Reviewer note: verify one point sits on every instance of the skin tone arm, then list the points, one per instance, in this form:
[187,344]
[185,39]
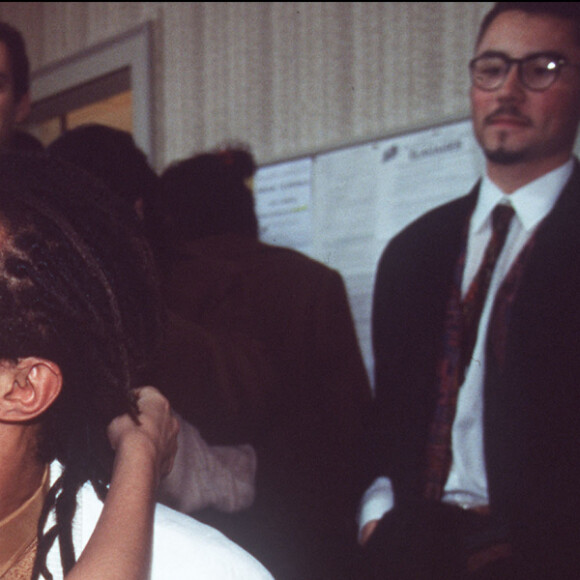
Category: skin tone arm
[120,547]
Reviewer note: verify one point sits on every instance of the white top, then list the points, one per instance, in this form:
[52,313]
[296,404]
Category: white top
[183,548]
[467,481]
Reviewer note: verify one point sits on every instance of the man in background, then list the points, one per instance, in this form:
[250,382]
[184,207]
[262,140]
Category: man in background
[202,476]
[14,82]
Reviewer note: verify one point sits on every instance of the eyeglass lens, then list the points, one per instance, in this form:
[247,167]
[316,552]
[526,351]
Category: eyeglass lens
[537,72]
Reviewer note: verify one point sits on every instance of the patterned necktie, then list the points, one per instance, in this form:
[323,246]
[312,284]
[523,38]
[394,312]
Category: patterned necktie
[460,333]
[474,300]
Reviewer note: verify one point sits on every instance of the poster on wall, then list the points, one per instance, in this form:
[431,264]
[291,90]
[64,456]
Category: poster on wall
[345,202]
[283,194]
[421,170]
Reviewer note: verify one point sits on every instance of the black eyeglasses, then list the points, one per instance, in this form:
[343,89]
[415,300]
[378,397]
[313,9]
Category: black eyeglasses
[536,72]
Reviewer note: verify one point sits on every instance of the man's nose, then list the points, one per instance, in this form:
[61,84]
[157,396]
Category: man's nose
[512,88]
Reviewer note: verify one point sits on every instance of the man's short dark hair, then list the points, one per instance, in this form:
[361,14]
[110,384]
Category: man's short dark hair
[565,10]
[18,59]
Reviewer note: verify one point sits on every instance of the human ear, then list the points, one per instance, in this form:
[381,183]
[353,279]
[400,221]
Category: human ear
[28,388]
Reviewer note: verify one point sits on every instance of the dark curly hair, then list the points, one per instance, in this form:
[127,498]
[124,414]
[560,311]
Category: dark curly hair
[77,287]
[208,195]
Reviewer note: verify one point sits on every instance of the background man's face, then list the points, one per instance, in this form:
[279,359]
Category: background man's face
[513,123]
[11,111]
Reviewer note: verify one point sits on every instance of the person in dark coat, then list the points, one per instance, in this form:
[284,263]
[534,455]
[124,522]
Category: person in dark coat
[305,422]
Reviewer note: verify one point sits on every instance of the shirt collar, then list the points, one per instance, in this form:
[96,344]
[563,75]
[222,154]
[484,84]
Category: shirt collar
[532,202]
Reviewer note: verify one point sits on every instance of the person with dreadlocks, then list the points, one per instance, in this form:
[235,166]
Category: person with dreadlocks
[81,321]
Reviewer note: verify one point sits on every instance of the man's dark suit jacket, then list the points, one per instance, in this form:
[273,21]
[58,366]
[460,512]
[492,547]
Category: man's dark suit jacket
[531,407]
[301,404]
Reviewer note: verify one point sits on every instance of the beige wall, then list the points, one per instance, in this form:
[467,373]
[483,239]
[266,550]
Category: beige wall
[288,78]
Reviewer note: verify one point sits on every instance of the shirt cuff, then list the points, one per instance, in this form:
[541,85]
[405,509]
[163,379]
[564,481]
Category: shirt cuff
[377,500]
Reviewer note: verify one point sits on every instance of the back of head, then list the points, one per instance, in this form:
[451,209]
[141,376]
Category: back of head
[565,10]
[209,195]
[23,141]
[111,155]
[76,288]
[18,59]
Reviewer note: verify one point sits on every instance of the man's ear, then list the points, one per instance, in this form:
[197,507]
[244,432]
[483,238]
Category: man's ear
[22,109]
[28,388]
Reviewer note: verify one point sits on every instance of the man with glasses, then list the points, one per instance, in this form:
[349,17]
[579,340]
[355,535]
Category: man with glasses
[476,328]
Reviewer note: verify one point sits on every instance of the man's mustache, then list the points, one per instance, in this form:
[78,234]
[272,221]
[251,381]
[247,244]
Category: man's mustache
[507,111]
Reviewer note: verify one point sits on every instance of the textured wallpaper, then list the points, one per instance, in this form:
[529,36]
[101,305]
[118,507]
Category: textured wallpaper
[288,78]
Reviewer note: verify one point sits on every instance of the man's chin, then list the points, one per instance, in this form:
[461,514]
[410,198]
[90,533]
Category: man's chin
[504,157]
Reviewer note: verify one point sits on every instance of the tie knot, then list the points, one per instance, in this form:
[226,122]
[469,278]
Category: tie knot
[501,217]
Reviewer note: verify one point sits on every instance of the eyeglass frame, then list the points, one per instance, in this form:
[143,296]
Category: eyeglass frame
[559,60]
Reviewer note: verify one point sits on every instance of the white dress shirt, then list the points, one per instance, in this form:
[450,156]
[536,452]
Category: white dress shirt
[467,481]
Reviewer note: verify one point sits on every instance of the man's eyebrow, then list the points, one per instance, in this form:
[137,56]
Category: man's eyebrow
[549,53]
[493,53]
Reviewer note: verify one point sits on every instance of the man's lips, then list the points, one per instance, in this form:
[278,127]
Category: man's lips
[508,118]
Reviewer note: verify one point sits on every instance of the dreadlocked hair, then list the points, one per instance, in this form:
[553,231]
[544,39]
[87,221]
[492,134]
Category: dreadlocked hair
[77,287]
